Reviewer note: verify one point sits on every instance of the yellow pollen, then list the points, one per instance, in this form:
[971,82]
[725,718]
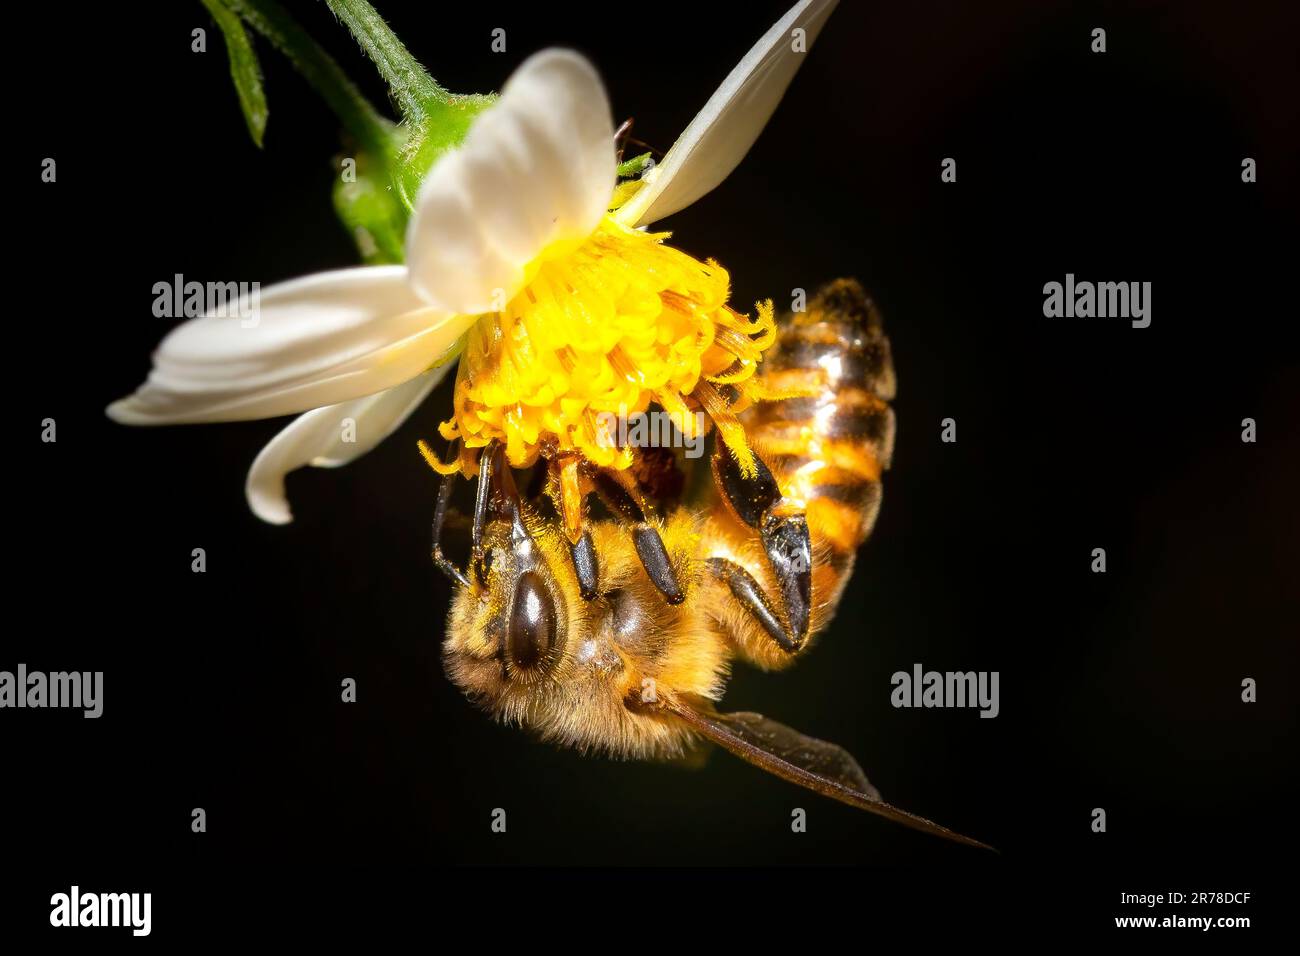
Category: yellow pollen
[603,328]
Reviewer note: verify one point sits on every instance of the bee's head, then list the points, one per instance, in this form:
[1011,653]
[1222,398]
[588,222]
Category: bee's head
[510,625]
[524,644]
[521,640]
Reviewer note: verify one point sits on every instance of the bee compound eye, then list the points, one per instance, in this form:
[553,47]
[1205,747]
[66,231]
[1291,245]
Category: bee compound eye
[531,634]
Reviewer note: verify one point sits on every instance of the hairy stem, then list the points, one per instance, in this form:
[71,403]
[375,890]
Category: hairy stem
[413,89]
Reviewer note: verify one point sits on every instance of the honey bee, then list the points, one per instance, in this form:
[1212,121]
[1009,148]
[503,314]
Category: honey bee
[624,646]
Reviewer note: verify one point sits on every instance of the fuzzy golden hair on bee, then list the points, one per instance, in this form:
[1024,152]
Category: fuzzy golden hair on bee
[609,655]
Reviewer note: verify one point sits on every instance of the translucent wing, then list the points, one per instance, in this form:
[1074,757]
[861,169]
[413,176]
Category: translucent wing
[815,764]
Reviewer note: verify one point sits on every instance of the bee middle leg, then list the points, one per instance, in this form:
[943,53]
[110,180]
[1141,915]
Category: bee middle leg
[569,485]
[619,491]
[783,529]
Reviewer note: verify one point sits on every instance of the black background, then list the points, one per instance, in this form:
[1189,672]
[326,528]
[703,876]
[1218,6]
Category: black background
[1119,690]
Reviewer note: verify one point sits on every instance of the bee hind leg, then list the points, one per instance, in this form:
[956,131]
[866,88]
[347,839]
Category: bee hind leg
[783,528]
[750,595]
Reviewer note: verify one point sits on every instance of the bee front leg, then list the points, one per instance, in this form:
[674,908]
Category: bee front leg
[783,528]
[619,492]
[440,560]
[497,502]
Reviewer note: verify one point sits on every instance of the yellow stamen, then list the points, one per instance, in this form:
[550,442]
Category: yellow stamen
[437,464]
[605,328]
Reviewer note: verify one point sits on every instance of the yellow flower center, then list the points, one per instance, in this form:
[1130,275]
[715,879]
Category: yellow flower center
[606,327]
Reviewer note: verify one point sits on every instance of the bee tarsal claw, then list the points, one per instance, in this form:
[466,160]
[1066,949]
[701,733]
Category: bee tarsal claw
[789,548]
[750,594]
[626,502]
[658,566]
[757,501]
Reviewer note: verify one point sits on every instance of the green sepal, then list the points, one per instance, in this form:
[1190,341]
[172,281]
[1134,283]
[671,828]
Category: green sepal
[442,127]
[371,210]
[434,119]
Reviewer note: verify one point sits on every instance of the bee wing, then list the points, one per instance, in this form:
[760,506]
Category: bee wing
[816,764]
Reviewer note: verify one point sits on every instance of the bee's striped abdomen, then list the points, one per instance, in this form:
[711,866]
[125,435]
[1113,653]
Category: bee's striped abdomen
[828,450]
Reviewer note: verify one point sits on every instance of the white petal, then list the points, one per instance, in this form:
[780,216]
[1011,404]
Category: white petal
[316,438]
[720,136]
[537,167]
[314,341]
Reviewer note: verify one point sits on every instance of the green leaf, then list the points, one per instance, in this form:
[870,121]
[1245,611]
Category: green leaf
[244,68]
[318,68]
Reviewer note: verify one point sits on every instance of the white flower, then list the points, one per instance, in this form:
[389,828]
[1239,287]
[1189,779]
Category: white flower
[532,178]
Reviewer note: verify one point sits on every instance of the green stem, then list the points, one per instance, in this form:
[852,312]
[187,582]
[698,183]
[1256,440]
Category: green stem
[413,89]
[320,70]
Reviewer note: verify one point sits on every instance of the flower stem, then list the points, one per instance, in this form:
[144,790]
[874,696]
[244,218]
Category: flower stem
[413,89]
[434,119]
[320,70]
